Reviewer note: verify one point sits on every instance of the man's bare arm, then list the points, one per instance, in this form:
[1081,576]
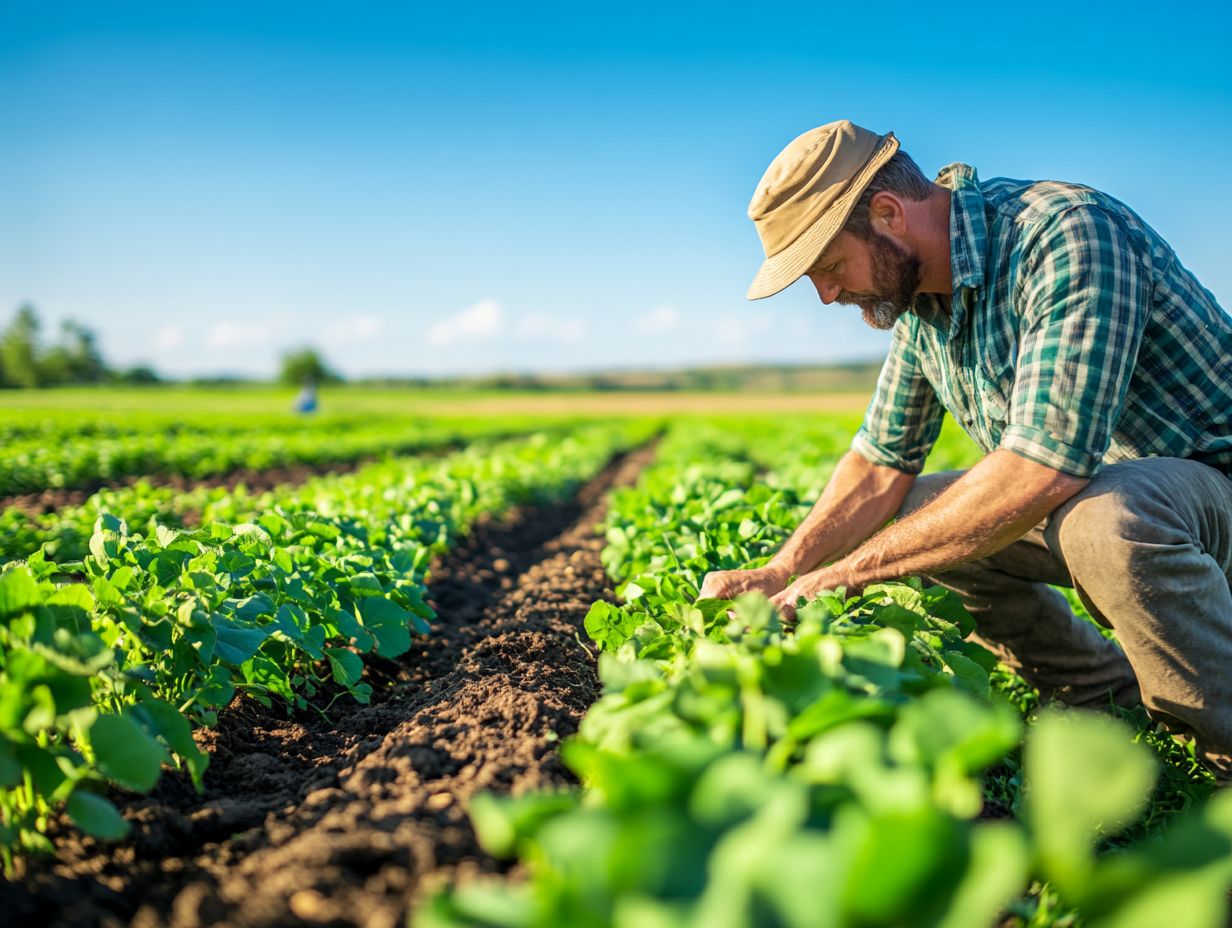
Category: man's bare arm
[995,503]
[859,499]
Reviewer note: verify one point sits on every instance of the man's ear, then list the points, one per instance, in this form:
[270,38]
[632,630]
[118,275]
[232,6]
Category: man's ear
[886,214]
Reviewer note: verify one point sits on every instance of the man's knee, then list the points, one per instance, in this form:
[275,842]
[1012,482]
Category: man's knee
[1121,510]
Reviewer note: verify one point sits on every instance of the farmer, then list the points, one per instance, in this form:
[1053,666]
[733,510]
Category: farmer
[1093,369]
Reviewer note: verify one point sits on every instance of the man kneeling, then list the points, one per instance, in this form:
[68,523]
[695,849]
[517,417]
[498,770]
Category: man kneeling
[1094,370]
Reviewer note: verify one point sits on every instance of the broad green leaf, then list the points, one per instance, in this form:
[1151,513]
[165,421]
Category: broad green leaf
[10,767]
[480,904]
[74,595]
[346,666]
[269,675]
[323,530]
[82,655]
[106,593]
[217,689]
[174,728]
[273,523]
[388,622]
[122,577]
[18,591]
[350,629]
[1192,858]
[948,728]
[45,772]
[996,872]
[166,536]
[96,815]
[1085,777]
[282,558]
[836,708]
[899,862]
[236,643]
[125,753]
[41,710]
[1197,899]
[499,822]
[608,626]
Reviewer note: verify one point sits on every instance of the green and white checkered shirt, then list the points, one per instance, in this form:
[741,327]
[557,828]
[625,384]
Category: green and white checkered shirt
[1075,338]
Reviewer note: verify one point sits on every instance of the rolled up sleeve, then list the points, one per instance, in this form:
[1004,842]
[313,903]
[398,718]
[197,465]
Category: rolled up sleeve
[904,417]
[1084,304]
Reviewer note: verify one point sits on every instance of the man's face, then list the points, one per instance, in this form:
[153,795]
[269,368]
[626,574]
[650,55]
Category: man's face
[879,276]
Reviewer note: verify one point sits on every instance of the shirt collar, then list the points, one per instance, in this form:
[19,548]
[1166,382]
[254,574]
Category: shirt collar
[968,235]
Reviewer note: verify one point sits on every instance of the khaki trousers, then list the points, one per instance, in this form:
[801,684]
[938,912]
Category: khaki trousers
[1147,546]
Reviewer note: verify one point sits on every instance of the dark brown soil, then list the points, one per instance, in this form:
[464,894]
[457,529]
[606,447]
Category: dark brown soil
[345,820]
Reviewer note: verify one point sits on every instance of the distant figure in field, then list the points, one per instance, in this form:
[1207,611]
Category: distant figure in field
[306,400]
[1066,338]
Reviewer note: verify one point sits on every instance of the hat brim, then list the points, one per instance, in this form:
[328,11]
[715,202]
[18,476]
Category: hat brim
[781,270]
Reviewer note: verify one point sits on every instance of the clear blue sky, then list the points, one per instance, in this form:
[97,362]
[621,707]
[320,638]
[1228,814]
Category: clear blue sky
[471,187]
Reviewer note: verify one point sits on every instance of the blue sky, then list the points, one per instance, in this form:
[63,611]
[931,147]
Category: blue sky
[416,189]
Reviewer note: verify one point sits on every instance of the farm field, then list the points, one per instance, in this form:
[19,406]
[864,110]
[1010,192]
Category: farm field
[438,659]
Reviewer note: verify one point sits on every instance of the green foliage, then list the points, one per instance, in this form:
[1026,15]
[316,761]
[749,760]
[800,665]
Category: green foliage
[107,663]
[63,451]
[58,742]
[739,773]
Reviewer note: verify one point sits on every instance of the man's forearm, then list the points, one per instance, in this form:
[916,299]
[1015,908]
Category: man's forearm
[992,505]
[859,499]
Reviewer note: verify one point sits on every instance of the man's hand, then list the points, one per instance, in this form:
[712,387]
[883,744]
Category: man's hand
[728,584]
[807,587]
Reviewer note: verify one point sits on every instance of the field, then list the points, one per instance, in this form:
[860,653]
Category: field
[437,658]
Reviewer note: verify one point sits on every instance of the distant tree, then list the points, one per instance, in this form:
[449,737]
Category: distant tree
[83,362]
[304,366]
[141,374]
[19,349]
[25,362]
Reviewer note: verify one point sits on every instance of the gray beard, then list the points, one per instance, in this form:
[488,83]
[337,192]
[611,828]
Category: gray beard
[883,315]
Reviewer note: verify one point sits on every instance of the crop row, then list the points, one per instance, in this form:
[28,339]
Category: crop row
[85,457]
[106,664]
[64,533]
[739,773]
[61,424]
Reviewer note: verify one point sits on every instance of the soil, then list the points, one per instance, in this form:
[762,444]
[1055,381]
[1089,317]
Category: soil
[346,819]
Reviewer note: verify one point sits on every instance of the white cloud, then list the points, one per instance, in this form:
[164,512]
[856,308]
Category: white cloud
[228,334]
[541,327]
[357,329]
[483,320]
[658,321]
[168,338]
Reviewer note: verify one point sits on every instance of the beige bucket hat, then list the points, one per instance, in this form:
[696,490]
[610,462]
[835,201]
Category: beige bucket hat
[806,195]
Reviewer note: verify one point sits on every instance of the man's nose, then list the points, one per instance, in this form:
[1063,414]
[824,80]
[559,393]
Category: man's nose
[827,290]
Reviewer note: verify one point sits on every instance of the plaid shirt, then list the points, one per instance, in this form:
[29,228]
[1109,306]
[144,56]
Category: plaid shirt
[1074,338]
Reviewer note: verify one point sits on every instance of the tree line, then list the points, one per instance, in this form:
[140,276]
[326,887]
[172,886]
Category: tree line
[27,359]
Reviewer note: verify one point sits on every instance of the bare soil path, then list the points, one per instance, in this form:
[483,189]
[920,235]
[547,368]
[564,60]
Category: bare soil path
[344,820]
